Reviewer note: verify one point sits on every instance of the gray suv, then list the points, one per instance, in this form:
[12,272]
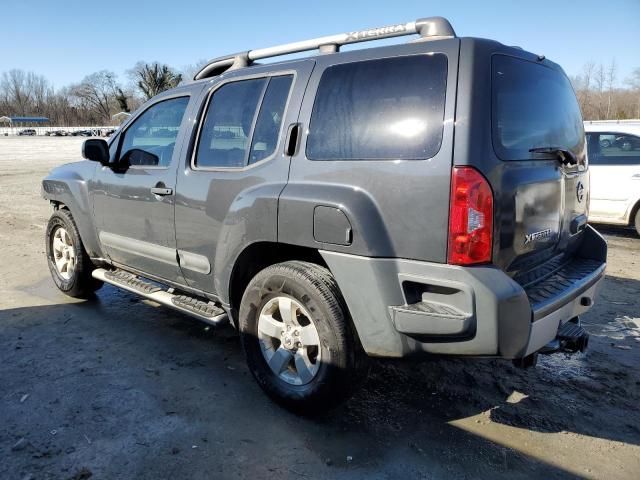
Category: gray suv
[421,198]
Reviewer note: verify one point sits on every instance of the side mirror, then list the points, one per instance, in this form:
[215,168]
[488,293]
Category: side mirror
[96,150]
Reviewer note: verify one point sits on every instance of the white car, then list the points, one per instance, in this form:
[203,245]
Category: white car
[614,160]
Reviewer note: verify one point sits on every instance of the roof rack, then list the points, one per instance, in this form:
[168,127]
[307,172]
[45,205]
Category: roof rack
[430,28]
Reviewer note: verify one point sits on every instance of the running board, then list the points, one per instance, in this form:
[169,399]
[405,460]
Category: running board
[208,312]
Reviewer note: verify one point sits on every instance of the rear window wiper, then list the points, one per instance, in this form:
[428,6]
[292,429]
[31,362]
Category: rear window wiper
[564,155]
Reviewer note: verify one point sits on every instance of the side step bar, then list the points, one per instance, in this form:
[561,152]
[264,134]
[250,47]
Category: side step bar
[208,312]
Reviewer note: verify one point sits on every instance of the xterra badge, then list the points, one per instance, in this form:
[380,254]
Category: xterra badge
[530,237]
[376,32]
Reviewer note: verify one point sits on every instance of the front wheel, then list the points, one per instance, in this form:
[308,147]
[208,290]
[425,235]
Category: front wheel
[69,264]
[297,337]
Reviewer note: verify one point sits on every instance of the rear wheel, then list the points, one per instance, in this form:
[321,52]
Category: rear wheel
[69,264]
[297,338]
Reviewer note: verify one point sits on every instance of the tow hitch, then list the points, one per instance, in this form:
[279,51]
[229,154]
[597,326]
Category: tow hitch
[571,338]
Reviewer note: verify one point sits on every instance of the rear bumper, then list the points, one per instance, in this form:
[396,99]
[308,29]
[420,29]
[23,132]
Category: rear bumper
[545,329]
[404,307]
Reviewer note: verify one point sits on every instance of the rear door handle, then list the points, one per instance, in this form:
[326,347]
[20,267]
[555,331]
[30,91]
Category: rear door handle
[636,176]
[293,138]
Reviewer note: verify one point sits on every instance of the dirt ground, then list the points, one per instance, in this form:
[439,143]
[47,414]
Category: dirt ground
[116,387]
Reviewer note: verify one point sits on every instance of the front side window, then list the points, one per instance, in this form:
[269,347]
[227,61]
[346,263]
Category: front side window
[384,109]
[243,122]
[533,106]
[610,148]
[150,139]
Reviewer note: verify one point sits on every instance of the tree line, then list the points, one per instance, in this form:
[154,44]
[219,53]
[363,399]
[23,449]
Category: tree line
[100,95]
[93,100]
[602,98]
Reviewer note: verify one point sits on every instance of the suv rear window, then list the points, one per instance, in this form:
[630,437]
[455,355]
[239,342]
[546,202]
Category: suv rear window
[533,106]
[384,109]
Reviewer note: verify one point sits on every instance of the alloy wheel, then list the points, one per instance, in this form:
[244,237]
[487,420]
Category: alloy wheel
[64,254]
[289,340]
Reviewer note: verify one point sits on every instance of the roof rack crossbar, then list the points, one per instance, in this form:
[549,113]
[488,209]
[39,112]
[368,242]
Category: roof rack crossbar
[427,28]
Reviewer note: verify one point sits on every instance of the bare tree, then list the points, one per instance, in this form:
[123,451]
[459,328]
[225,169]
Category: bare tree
[634,82]
[599,79]
[611,80]
[97,92]
[154,78]
[90,102]
[584,93]
[15,84]
[189,71]
[24,93]
[600,97]
[98,96]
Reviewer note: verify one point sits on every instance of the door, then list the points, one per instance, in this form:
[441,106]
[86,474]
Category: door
[614,160]
[133,198]
[228,189]
[542,187]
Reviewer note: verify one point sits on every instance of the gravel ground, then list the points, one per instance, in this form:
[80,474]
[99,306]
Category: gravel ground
[115,387]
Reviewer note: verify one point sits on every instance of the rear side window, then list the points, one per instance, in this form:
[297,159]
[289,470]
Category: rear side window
[269,121]
[242,123]
[533,106]
[609,148]
[385,109]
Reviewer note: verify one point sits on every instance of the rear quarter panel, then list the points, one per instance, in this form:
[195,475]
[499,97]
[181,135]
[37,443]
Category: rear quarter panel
[397,208]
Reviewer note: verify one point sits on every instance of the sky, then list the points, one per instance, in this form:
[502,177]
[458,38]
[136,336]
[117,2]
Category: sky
[66,40]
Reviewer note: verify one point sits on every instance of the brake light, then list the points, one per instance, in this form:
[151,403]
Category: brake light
[470,218]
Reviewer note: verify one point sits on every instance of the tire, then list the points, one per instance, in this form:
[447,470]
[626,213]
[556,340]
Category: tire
[75,280]
[340,363]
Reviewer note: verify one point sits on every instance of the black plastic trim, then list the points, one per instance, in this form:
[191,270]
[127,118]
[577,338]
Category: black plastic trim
[564,285]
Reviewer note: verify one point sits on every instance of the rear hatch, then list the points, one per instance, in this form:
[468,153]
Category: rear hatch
[542,196]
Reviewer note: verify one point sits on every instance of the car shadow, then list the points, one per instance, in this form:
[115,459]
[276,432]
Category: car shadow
[616,231]
[594,394]
[151,385]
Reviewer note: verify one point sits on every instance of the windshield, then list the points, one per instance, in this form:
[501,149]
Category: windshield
[533,106]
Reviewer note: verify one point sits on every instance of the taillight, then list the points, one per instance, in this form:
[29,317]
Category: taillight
[470,218]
